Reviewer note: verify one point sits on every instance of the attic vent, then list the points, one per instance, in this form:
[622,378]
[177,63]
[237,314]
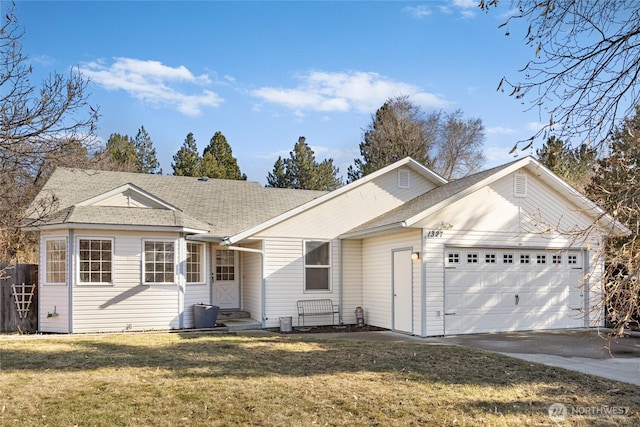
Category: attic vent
[404,180]
[520,185]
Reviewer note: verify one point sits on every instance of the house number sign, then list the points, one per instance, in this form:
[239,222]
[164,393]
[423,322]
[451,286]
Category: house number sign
[433,234]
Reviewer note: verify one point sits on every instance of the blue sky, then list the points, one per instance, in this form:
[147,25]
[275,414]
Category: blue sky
[265,73]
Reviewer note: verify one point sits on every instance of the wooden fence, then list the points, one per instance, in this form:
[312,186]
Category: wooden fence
[18,304]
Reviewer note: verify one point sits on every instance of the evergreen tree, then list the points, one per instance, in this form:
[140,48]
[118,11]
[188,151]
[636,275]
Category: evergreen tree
[146,160]
[122,150]
[218,161]
[186,160]
[278,177]
[574,165]
[614,187]
[301,171]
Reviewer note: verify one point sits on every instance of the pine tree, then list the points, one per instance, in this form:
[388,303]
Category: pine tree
[122,150]
[218,161]
[574,165]
[301,171]
[146,159]
[278,177]
[186,160]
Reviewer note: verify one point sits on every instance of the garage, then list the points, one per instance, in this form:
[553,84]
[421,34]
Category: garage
[497,290]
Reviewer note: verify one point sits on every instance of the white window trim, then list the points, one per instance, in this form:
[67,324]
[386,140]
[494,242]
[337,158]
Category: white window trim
[203,264]
[175,261]
[329,267]
[66,261]
[78,260]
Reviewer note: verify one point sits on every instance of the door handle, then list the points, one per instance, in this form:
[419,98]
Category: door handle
[450,314]
[517,299]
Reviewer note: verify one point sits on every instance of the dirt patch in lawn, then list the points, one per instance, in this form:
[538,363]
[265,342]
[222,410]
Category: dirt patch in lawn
[329,329]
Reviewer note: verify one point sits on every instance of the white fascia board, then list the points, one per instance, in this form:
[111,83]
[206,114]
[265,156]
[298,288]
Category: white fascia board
[114,228]
[461,194]
[122,189]
[604,220]
[373,231]
[407,161]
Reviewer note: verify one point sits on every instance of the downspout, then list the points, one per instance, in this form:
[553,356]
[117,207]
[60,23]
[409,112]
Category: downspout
[423,285]
[340,279]
[71,262]
[181,282]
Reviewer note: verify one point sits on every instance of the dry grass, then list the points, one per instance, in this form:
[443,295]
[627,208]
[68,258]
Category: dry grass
[199,379]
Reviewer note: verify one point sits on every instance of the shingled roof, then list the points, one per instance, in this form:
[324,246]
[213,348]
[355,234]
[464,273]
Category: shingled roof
[221,207]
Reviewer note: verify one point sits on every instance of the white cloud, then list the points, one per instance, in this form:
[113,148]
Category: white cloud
[155,84]
[345,91]
[500,130]
[418,12]
[534,126]
[467,8]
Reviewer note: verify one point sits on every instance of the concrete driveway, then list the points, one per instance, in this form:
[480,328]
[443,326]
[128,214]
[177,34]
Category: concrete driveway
[582,350]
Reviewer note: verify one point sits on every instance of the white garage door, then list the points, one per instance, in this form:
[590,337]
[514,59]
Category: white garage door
[489,290]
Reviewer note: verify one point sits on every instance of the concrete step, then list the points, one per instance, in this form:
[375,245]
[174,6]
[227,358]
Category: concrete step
[242,324]
[235,314]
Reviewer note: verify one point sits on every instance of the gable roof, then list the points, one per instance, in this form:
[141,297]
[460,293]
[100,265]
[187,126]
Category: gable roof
[217,206]
[406,162]
[426,204]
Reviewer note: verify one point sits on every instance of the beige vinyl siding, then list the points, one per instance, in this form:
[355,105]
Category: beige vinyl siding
[52,297]
[197,293]
[127,304]
[284,281]
[351,279]
[377,280]
[251,282]
[344,212]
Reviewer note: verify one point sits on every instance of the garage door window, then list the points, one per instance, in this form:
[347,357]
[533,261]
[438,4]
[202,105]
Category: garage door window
[453,258]
[507,258]
[472,258]
[572,259]
[541,259]
[490,258]
[556,259]
[525,259]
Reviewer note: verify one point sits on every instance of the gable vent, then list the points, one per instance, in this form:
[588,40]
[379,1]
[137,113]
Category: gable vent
[519,185]
[404,178]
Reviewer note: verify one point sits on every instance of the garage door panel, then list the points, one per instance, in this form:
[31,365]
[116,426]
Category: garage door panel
[509,290]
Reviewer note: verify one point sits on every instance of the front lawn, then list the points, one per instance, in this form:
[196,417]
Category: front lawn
[195,379]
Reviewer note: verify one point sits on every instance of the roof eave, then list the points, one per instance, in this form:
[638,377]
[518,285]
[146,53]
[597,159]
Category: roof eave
[407,161]
[372,231]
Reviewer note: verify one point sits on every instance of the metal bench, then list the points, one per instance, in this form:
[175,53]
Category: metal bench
[316,307]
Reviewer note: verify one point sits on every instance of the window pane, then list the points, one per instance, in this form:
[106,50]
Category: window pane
[56,261]
[95,260]
[317,279]
[316,253]
[159,265]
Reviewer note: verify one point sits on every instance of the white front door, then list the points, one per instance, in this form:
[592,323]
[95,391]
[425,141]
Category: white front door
[402,298]
[226,281]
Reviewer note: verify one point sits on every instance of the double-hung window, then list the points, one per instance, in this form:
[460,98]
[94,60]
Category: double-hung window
[159,262]
[96,261]
[195,262]
[317,266]
[56,261]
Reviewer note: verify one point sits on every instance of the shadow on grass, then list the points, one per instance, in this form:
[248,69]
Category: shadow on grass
[436,367]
